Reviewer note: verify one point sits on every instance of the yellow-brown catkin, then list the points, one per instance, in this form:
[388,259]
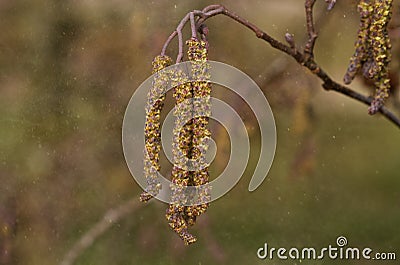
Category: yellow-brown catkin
[381,51]
[372,54]
[154,105]
[361,52]
[201,90]
[175,213]
[190,143]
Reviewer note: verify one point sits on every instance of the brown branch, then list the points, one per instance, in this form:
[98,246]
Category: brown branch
[312,35]
[110,217]
[303,59]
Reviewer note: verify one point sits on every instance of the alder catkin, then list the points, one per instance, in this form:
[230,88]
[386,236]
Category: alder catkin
[373,49]
[190,142]
[152,131]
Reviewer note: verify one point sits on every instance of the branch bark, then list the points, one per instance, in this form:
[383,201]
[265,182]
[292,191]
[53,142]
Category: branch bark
[312,35]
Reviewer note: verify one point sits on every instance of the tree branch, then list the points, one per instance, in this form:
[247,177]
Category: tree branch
[303,59]
[110,217]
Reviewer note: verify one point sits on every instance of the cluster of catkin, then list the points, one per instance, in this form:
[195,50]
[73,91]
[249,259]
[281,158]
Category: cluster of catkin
[190,137]
[372,49]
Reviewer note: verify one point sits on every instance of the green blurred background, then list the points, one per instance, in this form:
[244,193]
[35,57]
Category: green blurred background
[67,72]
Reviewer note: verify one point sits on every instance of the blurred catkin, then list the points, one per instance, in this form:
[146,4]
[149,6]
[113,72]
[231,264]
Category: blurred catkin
[373,49]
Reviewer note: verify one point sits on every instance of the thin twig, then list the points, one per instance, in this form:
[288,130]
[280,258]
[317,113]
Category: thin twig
[180,38]
[312,35]
[193,25]
[110,217]
[331,4]
[170,38]
[210,7]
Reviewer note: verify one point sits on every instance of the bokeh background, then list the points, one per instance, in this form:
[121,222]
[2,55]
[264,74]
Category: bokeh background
[67,72]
